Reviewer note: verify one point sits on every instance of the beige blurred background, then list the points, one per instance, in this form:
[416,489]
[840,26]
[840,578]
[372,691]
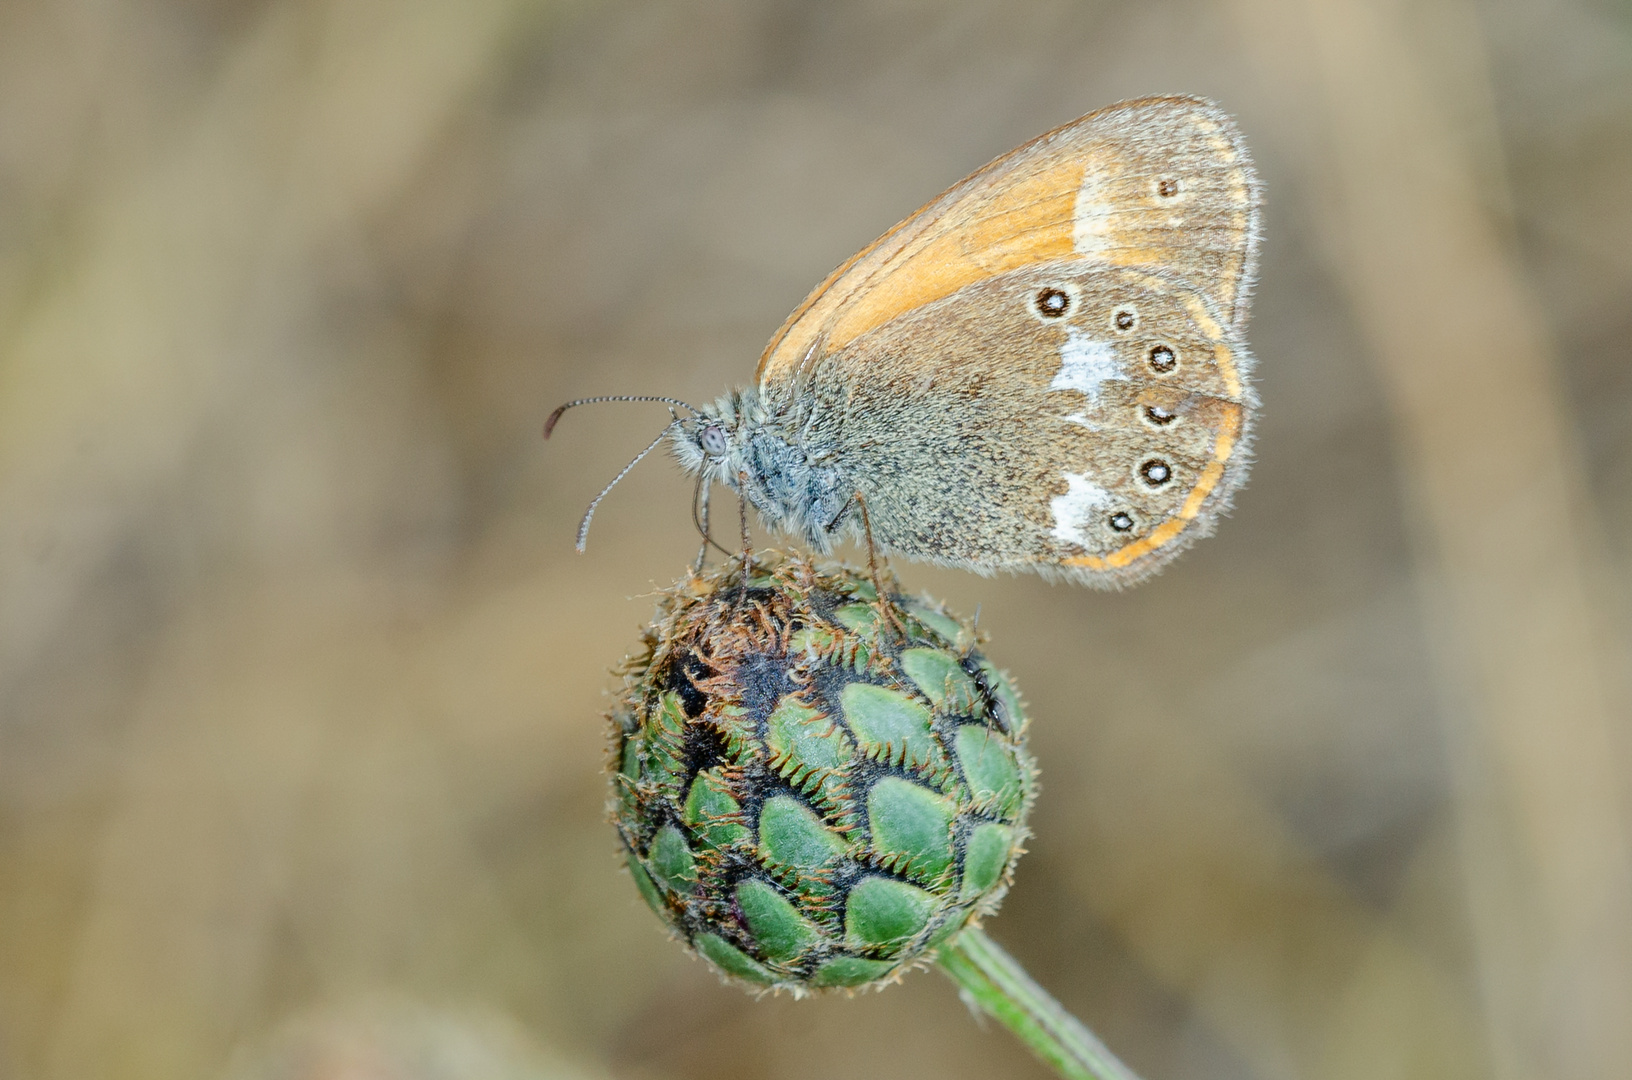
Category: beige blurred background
[301,680]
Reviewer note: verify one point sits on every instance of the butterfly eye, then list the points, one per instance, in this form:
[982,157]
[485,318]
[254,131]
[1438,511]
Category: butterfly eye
[1155,472]
[713,440]
[1121,521]
[1125,319]
[1052,303]
[1167,187]
[1159,416]
[1162,359]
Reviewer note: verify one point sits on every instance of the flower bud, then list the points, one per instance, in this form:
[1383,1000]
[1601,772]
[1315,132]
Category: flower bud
[811,796]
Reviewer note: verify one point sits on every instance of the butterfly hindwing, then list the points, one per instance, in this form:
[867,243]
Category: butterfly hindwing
[1070,416]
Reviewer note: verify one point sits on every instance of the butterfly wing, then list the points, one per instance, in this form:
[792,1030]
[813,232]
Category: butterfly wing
[1043,368]
[1069,417]
[1161,183]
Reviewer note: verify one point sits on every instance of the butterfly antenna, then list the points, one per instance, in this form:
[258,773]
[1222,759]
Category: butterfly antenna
[583,526]
[549,425]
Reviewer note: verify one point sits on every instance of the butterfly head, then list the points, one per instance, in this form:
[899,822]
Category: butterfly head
[711,442]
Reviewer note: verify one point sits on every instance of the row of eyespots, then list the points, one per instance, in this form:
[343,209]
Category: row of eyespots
[1156,473]
[1162,359]
[1054,303]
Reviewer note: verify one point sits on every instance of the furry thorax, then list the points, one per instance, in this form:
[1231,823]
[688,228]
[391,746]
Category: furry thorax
[775,456]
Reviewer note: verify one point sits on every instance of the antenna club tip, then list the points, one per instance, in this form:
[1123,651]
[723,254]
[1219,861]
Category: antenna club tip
[549,425]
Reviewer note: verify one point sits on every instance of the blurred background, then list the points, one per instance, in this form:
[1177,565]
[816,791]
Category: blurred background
[301,681]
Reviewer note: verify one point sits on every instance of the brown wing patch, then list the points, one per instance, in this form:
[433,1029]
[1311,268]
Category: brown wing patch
[1161,183]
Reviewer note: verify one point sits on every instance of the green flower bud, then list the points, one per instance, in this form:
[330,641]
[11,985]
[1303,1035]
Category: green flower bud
[806,799]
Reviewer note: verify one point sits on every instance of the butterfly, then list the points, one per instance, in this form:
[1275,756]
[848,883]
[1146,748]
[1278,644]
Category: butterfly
[1043,369]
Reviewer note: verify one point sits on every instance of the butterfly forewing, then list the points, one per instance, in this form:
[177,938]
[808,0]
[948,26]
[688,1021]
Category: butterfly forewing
[1070,415]
[1169,188]
[1161,184]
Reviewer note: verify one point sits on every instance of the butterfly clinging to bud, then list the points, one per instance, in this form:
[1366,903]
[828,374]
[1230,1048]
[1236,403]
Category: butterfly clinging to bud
[1043,369]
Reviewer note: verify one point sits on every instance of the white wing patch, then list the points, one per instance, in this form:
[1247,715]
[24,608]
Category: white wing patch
[1101,216]
[1092,222]
[1073,509]
[1085,363]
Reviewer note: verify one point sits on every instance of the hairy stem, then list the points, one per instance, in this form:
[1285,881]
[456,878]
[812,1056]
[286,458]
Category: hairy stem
[991,980]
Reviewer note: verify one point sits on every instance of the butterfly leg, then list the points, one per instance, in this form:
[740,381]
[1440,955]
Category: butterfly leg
[747,550]
[699,518]
[886,610]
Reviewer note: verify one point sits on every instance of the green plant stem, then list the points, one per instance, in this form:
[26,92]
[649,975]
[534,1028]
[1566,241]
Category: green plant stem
[992,981]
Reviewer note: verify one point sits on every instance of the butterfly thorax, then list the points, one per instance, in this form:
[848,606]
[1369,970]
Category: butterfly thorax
[768,452]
